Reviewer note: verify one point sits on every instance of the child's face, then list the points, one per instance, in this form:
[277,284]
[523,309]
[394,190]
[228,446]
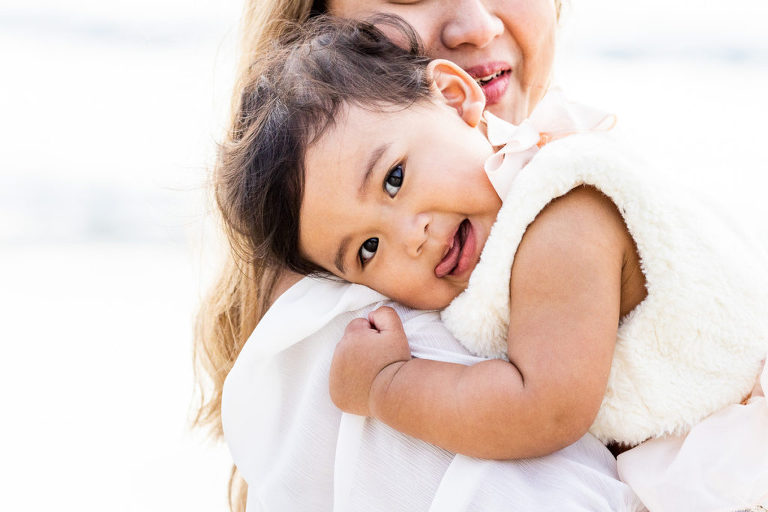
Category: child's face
[399,201]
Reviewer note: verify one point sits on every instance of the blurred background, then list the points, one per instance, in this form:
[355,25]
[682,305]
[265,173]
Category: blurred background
[109,114]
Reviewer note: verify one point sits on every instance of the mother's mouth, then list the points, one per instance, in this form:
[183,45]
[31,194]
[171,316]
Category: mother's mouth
[493,78]
[485,80]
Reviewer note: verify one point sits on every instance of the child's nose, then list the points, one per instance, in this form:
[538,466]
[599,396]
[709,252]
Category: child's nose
[415,232]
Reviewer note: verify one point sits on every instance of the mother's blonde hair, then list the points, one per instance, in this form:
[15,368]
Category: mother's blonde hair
[240,296]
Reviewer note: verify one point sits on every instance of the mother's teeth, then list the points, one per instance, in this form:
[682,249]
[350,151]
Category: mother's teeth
[484,79]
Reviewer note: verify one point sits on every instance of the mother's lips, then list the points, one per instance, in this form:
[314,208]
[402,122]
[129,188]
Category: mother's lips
[489,68]
[493,78]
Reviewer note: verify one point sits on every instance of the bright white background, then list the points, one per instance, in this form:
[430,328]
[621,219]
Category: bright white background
[109,111]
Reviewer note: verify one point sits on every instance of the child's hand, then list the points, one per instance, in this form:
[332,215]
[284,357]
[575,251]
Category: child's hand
[368,348]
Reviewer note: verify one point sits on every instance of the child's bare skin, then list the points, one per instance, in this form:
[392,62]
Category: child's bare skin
[576,273]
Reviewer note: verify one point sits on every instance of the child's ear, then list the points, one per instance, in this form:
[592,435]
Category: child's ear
[458,89]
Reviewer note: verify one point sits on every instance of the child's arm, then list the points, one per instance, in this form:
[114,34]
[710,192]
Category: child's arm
[565,302]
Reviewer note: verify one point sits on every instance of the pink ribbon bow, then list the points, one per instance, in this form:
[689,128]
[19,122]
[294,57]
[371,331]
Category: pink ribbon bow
[553,118]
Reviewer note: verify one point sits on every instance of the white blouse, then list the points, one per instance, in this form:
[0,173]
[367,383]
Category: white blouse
[299,453]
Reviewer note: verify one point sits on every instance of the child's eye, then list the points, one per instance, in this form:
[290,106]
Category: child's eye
[368,249]
[394,180]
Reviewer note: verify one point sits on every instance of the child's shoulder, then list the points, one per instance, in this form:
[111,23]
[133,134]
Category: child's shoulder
[582,223]
[584,210]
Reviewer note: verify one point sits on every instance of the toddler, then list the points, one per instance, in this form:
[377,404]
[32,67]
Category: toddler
[607,301]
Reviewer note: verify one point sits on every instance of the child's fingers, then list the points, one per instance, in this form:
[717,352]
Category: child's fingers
[358,325]
[385,319]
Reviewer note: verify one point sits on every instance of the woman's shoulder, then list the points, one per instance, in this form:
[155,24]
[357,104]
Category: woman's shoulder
[284,281]
[303,305]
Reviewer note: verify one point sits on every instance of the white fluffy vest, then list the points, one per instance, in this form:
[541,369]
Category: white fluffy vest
[693,346]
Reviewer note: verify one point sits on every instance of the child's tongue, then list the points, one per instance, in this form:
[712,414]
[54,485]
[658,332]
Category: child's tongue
[451,259]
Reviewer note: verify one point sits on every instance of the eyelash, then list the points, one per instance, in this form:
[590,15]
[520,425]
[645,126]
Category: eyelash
[374,242]
[397,173]
[393,173]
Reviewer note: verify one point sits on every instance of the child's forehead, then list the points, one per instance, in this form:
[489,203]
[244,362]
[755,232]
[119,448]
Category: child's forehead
[353,128]
[348,146]
[360,122]
[359,112]
[358,132]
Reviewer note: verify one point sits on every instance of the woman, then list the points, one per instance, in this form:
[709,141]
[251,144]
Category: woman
[296,451]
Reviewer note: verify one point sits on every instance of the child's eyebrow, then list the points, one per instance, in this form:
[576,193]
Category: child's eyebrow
[339,261]
[373,159]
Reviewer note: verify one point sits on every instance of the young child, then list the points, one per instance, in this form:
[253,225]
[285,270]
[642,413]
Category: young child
[610,301]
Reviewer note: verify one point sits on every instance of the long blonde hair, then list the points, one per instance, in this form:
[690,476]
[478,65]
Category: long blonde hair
[240,296]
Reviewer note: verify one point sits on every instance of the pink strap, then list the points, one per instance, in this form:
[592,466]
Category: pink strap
[553,118]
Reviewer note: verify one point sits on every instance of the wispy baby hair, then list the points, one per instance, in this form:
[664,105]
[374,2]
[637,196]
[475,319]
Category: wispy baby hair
[300,88]
[297,80]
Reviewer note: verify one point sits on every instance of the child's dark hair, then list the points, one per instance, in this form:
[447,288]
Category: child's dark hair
[292,93]
[298,89]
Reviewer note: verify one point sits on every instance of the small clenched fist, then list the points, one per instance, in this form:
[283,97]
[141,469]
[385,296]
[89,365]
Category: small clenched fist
[367,348]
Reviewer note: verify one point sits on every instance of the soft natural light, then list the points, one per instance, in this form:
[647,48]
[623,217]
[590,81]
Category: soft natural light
[110,114]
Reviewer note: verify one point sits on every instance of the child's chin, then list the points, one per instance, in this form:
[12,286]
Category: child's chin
[430,303]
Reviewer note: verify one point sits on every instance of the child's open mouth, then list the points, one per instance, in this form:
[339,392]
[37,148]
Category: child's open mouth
[460,255]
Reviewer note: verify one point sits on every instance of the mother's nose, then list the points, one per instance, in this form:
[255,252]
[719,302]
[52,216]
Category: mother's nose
[471,22]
